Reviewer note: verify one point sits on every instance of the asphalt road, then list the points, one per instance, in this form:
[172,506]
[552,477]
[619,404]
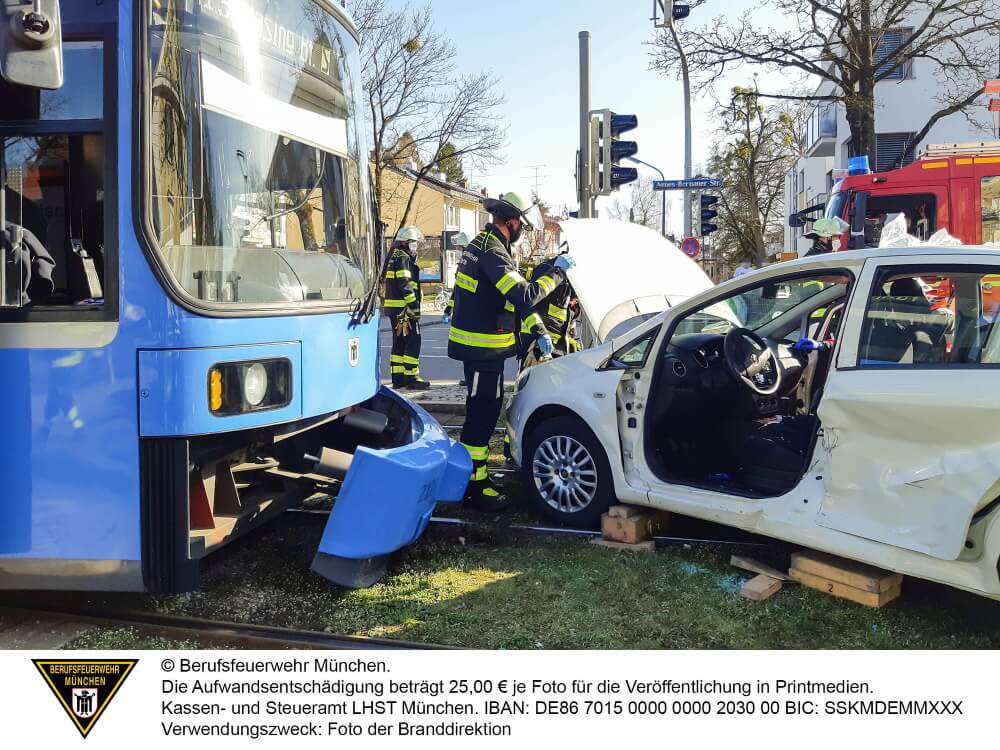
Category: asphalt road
[434,362]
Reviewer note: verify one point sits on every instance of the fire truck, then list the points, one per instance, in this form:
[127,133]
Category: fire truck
[954,187]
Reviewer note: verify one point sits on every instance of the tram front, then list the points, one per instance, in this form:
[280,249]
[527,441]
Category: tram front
[189,267]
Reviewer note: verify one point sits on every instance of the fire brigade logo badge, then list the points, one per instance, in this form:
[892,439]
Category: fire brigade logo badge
[354,352]
[84,687]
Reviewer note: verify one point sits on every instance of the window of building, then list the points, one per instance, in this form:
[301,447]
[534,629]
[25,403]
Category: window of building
[452,216]
[891,69]
[933,316]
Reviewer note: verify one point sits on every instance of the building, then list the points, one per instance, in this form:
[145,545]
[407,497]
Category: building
[439,207]
[904,101]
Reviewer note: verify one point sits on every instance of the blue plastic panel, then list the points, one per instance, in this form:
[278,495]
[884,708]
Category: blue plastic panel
[389,496]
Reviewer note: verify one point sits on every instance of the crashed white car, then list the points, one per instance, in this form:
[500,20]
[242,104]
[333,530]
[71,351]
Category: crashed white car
[880,445]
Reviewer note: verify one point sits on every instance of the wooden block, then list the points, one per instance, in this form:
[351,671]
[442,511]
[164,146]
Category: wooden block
[648,546]
[848,572]
[628,530]
[747,563]
[624,511]
[842,590]
[760,588]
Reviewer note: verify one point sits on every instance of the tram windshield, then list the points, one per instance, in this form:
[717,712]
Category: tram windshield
[257,178]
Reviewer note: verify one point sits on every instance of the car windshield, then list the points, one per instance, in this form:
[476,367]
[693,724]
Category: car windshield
[257,180]
[755,307]
[835,206]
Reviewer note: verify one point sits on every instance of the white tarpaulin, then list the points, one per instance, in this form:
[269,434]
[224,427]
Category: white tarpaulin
[628,270]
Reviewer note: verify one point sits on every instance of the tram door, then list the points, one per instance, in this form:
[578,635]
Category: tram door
[53,167]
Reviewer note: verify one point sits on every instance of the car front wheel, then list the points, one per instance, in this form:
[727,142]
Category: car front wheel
[567,472]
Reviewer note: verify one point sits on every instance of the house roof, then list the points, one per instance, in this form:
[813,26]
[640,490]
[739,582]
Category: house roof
[442,186]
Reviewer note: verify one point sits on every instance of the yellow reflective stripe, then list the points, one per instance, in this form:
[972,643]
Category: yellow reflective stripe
[398,370]
[483,340]
[397,358]
[547,283]
[410,360]
[410,298]
[390,274]
[394,303]
[818,313]
[481,473]
[531,321]
[508,281]
[411,371]
[477,452]
[509,307]
[404,274]
[556,337]
[466,282]
[559,313]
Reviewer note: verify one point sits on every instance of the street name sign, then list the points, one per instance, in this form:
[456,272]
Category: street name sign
[695,183]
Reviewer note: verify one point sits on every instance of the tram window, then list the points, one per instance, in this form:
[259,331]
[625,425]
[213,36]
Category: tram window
[54,220]
[80,97]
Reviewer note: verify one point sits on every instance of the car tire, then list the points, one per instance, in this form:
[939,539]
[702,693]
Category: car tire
[566,472]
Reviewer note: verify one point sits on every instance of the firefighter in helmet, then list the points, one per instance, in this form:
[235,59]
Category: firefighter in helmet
[402,305]
[490,294]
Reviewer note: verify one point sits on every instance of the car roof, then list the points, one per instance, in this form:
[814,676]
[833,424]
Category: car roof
[833,260]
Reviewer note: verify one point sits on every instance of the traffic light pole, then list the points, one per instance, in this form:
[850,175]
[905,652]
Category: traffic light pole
[583,168]
[687,121]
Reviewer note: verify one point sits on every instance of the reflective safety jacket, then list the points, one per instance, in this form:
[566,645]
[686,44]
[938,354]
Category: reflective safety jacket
[402,283]
[552,313]
[490,295]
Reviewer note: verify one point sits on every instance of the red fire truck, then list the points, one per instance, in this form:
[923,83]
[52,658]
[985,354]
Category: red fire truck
[955,187]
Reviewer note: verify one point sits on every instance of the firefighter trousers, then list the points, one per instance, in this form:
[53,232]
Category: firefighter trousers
[483,401]
[405,359]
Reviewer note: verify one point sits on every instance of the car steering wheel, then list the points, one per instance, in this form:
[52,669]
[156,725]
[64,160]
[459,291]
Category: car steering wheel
[751,361]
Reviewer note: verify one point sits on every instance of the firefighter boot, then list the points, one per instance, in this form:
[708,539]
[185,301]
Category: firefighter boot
[485,496]
[416,383]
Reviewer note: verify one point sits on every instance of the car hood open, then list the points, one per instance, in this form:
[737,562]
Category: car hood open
[625,271]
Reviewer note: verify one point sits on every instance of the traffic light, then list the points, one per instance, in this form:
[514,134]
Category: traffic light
[608,151]
[708,213]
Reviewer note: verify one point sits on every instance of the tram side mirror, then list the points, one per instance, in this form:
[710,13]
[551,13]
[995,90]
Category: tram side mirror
[31,44]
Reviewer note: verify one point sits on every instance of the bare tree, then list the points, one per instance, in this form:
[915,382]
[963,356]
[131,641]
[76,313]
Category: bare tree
[755,148]
[853,45]
[644,205]
[413,90]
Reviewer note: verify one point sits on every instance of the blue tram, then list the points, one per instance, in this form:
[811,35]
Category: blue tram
[188,332]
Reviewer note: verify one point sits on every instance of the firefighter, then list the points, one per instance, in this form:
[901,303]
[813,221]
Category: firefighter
[489,295]
[402,305]
[556,312]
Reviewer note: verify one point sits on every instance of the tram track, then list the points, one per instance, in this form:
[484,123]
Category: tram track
[215,632]
[444,521]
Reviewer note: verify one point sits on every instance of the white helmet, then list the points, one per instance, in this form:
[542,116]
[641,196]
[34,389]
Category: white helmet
[460,240]
[409,233]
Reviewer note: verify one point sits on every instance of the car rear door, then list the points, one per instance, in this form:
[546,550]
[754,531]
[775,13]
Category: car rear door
[910,413]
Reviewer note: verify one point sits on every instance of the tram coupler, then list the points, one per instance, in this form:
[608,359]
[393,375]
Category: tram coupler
[331,463]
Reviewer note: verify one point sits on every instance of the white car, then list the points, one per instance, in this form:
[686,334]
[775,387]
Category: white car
[882,446]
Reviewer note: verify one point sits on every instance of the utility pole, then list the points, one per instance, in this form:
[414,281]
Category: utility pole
[538,178]
[583,167]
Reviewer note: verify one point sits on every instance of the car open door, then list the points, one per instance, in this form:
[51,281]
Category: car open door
[910,413]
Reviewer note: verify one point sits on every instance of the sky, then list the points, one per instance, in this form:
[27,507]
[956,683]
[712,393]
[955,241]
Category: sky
[536,56]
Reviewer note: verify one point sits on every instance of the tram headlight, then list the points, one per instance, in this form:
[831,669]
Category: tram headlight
[255,384]
[241,387]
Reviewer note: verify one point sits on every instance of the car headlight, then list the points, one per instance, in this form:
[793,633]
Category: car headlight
[241,387]
[255,384]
